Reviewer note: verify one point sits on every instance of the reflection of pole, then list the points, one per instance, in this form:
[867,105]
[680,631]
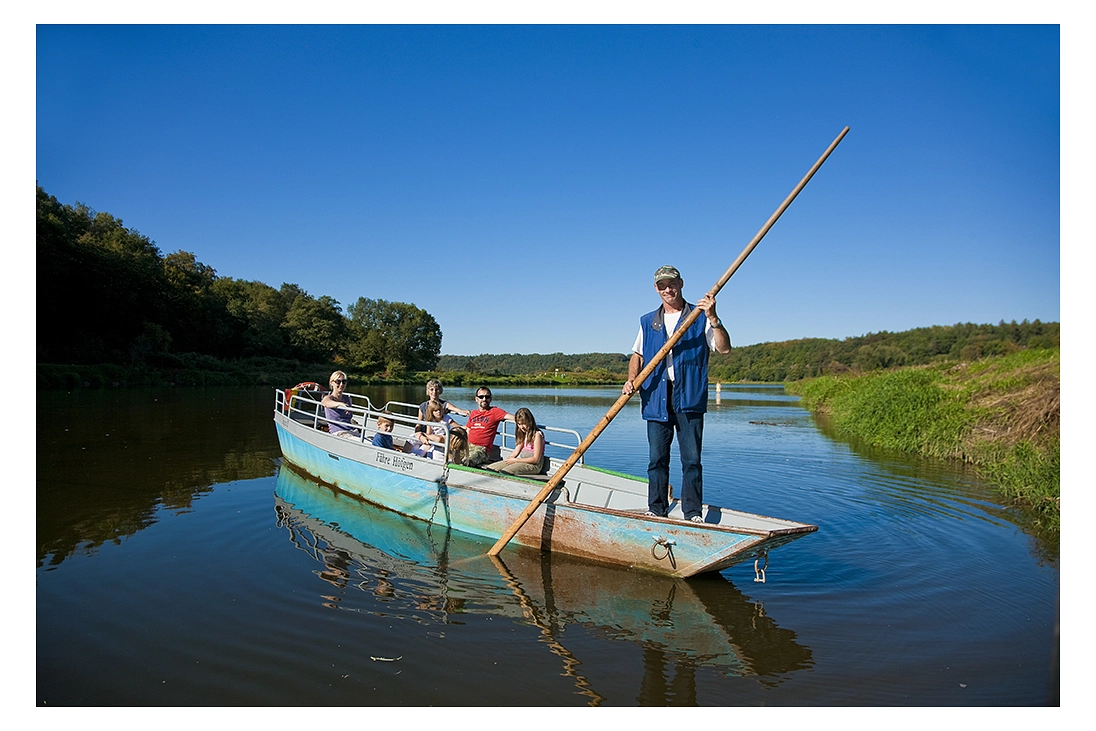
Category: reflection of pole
[718,398]
[570,662]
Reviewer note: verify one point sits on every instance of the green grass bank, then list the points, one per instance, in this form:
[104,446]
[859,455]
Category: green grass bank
[1001,415]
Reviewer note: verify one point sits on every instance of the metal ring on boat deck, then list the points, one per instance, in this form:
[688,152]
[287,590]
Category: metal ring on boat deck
[668,544]
[759,574]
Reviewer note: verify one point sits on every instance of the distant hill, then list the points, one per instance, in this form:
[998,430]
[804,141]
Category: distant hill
[792,360]
[514,364]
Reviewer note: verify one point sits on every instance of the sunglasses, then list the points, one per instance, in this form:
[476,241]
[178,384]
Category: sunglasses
[483,396]
[339,380]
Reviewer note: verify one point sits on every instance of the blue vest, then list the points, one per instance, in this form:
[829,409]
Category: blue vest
[690,367]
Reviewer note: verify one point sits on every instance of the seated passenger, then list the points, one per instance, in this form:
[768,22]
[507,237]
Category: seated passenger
[528,456]
[477,456]
[458,445]
[335,408]
[483,424]
[383,437]
[431,442]
[433,391]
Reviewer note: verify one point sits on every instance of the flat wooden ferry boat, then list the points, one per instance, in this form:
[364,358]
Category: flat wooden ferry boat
[593,513]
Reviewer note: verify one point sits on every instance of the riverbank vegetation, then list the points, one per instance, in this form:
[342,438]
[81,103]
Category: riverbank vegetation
[111,305]
[999,414]
[793,360]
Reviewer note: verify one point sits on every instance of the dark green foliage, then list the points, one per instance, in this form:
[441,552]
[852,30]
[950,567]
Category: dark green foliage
[596,377]
[98,284]
[107,296]
[316,329]
[513,364]
[187,369]
[395,336]
[198,321]
[792,360]
[258,311]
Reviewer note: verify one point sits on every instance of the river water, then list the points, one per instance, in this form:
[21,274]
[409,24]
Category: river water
[177,565]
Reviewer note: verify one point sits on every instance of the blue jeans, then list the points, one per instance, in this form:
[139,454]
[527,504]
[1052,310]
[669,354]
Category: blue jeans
[690,434]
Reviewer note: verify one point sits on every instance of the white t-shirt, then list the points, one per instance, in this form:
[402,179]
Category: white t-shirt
[669,321]
[439,431]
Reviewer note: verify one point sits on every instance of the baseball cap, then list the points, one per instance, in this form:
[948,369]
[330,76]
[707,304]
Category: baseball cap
[666,272]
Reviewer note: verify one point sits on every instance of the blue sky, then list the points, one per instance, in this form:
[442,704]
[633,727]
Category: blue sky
[522,183]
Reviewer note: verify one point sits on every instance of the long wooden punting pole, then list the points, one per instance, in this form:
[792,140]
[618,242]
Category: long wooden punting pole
[681,328]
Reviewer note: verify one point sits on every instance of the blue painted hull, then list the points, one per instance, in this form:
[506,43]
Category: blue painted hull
[486,504]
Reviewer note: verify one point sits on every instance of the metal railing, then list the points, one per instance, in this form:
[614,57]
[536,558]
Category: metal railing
[506,435]
[305,407]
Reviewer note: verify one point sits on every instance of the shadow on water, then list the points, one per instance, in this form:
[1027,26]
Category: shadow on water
[377,562]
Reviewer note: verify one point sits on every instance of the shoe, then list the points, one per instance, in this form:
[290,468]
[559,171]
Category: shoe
[649,514]
[696,519]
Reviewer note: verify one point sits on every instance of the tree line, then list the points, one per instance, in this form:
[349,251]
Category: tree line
[515,364]
[107,295]
[793,360]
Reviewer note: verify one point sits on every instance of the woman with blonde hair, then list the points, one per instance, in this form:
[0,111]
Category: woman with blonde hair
[528,455]
[335,409]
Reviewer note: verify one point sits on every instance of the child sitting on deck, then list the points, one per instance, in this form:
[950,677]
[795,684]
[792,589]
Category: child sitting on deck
[383,437]
[431,441]
[528,455]
[458,445]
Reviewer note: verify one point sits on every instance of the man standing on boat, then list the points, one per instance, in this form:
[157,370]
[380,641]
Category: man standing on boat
[675,395]
[483,423]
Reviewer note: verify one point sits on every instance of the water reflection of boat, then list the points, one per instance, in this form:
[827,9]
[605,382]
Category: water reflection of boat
[700,622]
[594,513]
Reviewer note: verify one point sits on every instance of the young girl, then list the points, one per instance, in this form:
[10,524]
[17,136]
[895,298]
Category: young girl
[458,445]
[431,442]
[528,456]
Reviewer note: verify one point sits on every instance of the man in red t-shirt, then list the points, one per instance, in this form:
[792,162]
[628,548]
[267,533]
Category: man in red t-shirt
[483,423]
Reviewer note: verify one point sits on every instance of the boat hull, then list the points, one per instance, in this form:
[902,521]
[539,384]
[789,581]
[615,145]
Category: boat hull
[486,504]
